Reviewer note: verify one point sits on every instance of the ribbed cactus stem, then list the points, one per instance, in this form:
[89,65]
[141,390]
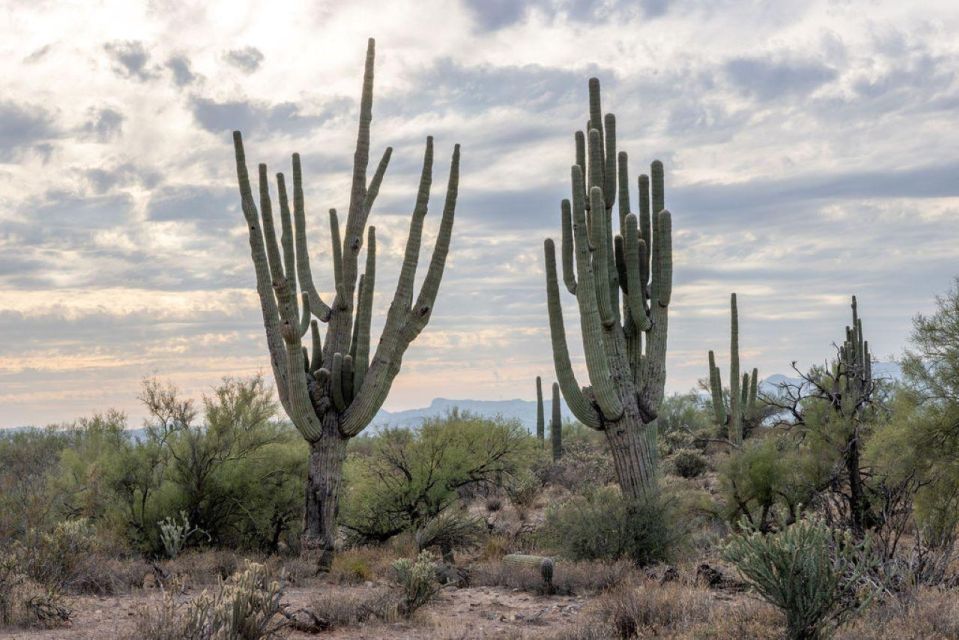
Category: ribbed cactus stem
[542,564]
[334,390]
[556,425]
[622,283]
[741,412]
[540,414]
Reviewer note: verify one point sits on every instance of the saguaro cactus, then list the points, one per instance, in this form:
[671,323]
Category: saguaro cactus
[624,342]
[332,391]
[540,414]
[556,425]
[741,414]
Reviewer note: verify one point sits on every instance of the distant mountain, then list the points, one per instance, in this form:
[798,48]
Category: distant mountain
[522,410]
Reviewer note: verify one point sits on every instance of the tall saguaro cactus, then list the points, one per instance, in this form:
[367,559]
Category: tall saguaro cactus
[333,390]
[740,415]
[624,338]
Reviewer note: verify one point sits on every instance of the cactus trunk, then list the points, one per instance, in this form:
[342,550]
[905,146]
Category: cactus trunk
[622,284]
[540,414]
[332,391]
[740,415]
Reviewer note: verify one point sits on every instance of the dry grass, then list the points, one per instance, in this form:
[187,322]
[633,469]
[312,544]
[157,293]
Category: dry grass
[930,614]
[347,608]
[361,564]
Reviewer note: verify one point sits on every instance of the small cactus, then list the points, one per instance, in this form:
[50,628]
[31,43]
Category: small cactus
[556,425]
[544,565]
[742,414]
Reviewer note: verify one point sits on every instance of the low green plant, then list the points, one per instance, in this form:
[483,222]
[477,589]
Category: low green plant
[450,530]
[816,575]
[603,525]
[417,581]
[688,463]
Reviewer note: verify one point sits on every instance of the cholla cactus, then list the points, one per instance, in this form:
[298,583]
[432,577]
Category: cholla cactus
[624,338]
[741,414]
[333,390]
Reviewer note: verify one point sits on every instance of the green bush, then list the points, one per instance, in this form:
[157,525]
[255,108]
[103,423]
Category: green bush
[450,530]
[813,573]
[602,525]
[688,463]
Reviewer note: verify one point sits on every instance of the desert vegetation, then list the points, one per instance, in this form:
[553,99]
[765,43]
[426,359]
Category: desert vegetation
[823,506]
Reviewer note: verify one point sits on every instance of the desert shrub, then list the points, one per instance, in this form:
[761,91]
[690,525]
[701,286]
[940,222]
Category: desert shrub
[585,463]
[688,463]
[493,504]
[569,578]
[602,525]
[767,482]
[450,530]
[11,579]
[59,558]
[417,582]
[404,477]
[332,610]
[243,607]
[203,567]
[813,573]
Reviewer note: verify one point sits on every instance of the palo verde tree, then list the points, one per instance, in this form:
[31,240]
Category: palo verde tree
[740,416]
[624,339]
[333,390]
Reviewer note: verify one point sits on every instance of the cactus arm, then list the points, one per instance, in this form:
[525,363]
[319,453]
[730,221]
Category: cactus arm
[634,296]
[622,182]
[575,398]
[716,389]
[664,258]
[540,415]
[581,151]
[339,401]
[264,287]
[364,313]
[373,189]
[347,378]
[645,229]
[590,322]
[341,301]
[269,230]
[601,262]
[303,272]
[753,392]
[357,212]
[404,323]
[556,425]
[735,411]
[610,170]
[306,316]
[595,124]
[316,361]
[566,244]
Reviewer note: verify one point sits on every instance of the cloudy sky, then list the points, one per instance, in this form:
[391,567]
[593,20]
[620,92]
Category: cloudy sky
[810,150]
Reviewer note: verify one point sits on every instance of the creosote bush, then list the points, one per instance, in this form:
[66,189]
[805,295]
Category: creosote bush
[603,525]
[688,463]
[814,574]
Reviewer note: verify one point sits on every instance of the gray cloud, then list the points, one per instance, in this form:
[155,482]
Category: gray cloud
[130,60]
[206,206]
[768,79]
[248,58]
[179,66]
[105,124]
[250,117]
[25,128]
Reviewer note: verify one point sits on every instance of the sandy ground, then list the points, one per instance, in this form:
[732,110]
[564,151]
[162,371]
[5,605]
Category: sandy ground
[476,612]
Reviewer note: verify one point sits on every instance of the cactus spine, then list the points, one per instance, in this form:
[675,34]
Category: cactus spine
[540,414]
[556,425]
[332,391]
[624,339]
[741,414]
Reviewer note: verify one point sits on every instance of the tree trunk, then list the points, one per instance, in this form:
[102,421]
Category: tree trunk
[857,494]
[322,496]
[629,444]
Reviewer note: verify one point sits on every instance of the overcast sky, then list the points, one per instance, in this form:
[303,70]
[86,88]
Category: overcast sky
[810,151]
